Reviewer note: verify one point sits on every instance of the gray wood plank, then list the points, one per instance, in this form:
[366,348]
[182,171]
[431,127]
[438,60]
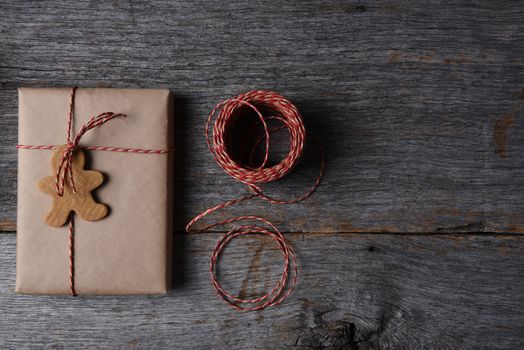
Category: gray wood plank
[419,104]
[355,291]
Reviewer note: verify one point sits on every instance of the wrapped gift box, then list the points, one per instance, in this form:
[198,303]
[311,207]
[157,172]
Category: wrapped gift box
[127,252]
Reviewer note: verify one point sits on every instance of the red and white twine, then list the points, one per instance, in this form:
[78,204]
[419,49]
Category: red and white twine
[65,169]
[280,109]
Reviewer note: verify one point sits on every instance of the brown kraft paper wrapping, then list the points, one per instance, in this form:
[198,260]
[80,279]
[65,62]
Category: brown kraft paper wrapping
[127,252]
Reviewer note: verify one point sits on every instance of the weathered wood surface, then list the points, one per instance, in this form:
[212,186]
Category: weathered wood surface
[420,107]
[356,291]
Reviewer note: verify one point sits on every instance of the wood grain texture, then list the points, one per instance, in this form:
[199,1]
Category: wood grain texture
[355,291]
[419,105]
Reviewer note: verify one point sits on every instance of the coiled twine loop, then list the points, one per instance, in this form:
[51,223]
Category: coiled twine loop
[285,112]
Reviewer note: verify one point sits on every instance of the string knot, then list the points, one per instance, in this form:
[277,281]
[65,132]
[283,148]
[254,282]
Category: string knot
[71,146]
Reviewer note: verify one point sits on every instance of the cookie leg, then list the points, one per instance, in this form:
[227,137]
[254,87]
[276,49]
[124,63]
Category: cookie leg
[58,214]
[89,210]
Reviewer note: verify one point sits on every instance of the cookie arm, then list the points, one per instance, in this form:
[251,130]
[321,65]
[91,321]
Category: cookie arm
[47,185]
[95,178]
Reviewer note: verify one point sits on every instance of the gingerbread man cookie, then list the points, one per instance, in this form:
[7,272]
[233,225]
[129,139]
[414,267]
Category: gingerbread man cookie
[80,202]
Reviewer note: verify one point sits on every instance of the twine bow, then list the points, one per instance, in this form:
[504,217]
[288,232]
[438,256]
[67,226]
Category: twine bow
[65,165]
